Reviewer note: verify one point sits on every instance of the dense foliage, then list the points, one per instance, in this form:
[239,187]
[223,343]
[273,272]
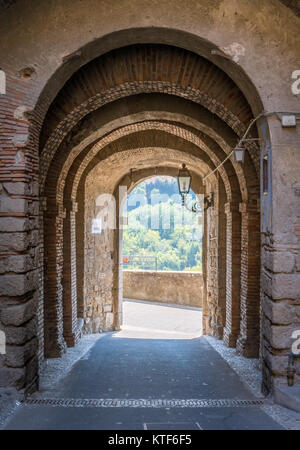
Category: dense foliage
[161,234]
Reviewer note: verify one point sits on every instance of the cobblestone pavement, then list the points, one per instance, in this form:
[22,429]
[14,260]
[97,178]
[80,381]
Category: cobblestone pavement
[158,372]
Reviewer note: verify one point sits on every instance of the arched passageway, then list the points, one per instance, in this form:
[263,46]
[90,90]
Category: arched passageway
[114,110]
[108,137]
[119,126]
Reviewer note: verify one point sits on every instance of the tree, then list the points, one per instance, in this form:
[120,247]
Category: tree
[176,247]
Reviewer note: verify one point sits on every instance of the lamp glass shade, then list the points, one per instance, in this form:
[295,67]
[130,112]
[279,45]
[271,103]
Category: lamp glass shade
[239,155]
[184,180]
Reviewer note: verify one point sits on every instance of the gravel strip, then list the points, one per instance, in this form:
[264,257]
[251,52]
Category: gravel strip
[57,368]
[249,372]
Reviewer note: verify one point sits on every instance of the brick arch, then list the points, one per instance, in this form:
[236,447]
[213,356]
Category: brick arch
[146,64]
[66,125]
[147,157]
[80,219]
[233,214]
[121,149]
[99,170]
[79,166]
[190,30]
[109,141]
[199,128]
[70,302]
[197,38]
[53,249]
[154,107]
[63,118]
[173,129]
[131,180]
[220,147]
[68,187]
[167,36]
[135,158]
[150,172]
[54,242]
[218,276]
[101,82]
[112,150]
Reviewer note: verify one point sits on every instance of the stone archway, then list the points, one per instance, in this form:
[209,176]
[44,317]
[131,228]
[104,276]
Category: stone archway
[209,72]
[245,185]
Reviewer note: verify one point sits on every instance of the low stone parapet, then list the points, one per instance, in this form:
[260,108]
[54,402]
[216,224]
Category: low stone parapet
[180,288]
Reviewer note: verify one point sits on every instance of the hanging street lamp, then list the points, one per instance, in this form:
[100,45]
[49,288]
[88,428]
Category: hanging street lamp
[184,179]
[239,154]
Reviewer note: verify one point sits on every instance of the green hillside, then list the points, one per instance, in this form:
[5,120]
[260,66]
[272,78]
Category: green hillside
[161,234]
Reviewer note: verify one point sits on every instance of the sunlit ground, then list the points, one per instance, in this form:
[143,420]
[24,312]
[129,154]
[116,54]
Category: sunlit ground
[151,320]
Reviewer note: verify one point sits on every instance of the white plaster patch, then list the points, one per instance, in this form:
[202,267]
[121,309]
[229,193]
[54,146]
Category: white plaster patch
[20,139]
[235,50]
[20,158]
[20,111]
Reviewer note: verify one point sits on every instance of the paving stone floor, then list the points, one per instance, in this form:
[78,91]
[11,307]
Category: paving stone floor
[160,360]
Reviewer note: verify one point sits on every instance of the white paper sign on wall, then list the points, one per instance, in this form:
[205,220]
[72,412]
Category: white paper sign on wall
[96,226]
[288,120]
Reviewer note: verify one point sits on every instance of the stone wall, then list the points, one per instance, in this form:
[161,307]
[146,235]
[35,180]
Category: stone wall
[280,272]
[181,288]
[99,258]
[98,255]
[213,314]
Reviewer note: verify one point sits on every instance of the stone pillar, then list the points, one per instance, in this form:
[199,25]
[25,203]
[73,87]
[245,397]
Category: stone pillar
[205,317]
[19,239]
[71,333]
[233,273]
[40,312]
[121,221]
[53,307]
[80,243]
[216,262]
[222,238]
[280,284]
[18,287]
[248,340]
[101,269]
